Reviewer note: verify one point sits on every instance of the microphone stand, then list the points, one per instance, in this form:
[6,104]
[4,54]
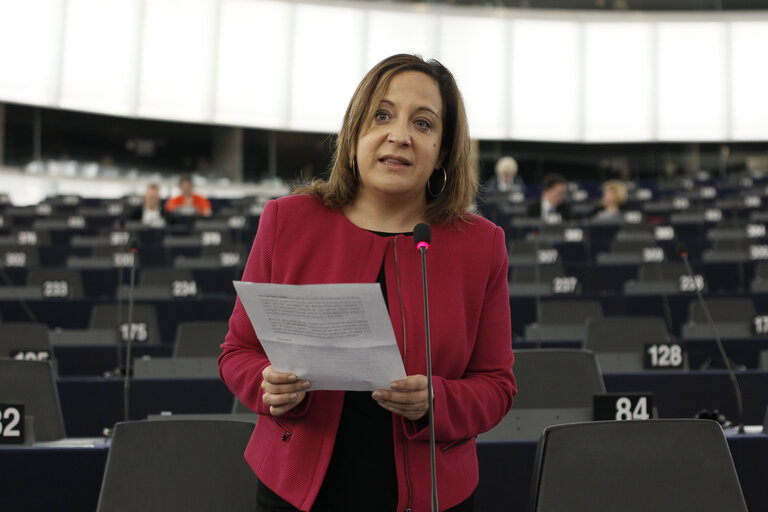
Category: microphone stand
[127,380]
[117,372]
[537,276]
[731,374]
[422,246]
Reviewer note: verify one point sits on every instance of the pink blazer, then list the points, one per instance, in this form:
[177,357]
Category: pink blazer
[299,241]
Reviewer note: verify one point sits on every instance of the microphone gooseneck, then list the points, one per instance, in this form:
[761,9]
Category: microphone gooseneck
[134,247]
[537,276]
[120,370]
[422,237]
[682,250]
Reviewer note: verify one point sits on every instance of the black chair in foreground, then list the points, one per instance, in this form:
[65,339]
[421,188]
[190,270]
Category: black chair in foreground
[32,384]
[556,386]
[190,465]
[635,466]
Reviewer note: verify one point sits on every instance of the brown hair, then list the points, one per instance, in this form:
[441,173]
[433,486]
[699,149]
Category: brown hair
[451,204]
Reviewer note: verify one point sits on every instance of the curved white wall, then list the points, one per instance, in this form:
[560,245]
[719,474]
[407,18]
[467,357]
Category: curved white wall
[536,75]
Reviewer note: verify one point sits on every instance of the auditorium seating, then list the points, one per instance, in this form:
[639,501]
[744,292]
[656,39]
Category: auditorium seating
[555,386]
[162,283]
[25,341]
[660,278]
[175,368]
[191,465]
[199,339]
[57,283]
[732,318]
[19,257]
[541,280]
[563,320]
[619,342]
[634,466]
[143,330]
[559,284]
[32,384]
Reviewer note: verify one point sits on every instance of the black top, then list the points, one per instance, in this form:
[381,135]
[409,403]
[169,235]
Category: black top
[362,474]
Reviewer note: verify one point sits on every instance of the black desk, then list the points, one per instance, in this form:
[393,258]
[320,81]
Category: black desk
[44,479]
[684,394]
[523,309]
[90,404]
[75,314]
[69,479]
[701,353]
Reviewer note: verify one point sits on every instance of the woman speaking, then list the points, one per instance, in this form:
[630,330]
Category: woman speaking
[401,158]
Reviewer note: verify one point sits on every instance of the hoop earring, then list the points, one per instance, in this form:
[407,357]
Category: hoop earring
[445,182]
[355,172]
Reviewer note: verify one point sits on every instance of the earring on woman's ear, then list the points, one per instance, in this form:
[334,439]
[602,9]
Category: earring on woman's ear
[354,169]
[445,182]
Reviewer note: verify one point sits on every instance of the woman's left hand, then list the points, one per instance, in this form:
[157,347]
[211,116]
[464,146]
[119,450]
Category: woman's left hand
[407,397]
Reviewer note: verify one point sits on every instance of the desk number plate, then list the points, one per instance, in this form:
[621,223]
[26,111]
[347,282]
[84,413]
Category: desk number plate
[11,424]
[623,406]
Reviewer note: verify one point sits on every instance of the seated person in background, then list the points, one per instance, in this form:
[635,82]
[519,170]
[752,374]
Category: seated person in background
[553,191]
[188,203]
[151,212]
[506,179]
[614,197]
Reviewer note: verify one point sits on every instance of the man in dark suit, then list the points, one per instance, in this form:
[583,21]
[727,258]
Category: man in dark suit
[552,203]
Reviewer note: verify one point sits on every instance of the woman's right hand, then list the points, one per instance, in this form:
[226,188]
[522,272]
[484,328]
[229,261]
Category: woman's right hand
[282,390]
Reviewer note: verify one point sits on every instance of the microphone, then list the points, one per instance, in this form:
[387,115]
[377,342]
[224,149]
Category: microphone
[682,250]
[120,368]
[537,276]
[664,295]
[422,237]
[134,248]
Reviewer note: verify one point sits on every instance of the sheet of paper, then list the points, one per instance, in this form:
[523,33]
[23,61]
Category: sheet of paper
[338,336]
